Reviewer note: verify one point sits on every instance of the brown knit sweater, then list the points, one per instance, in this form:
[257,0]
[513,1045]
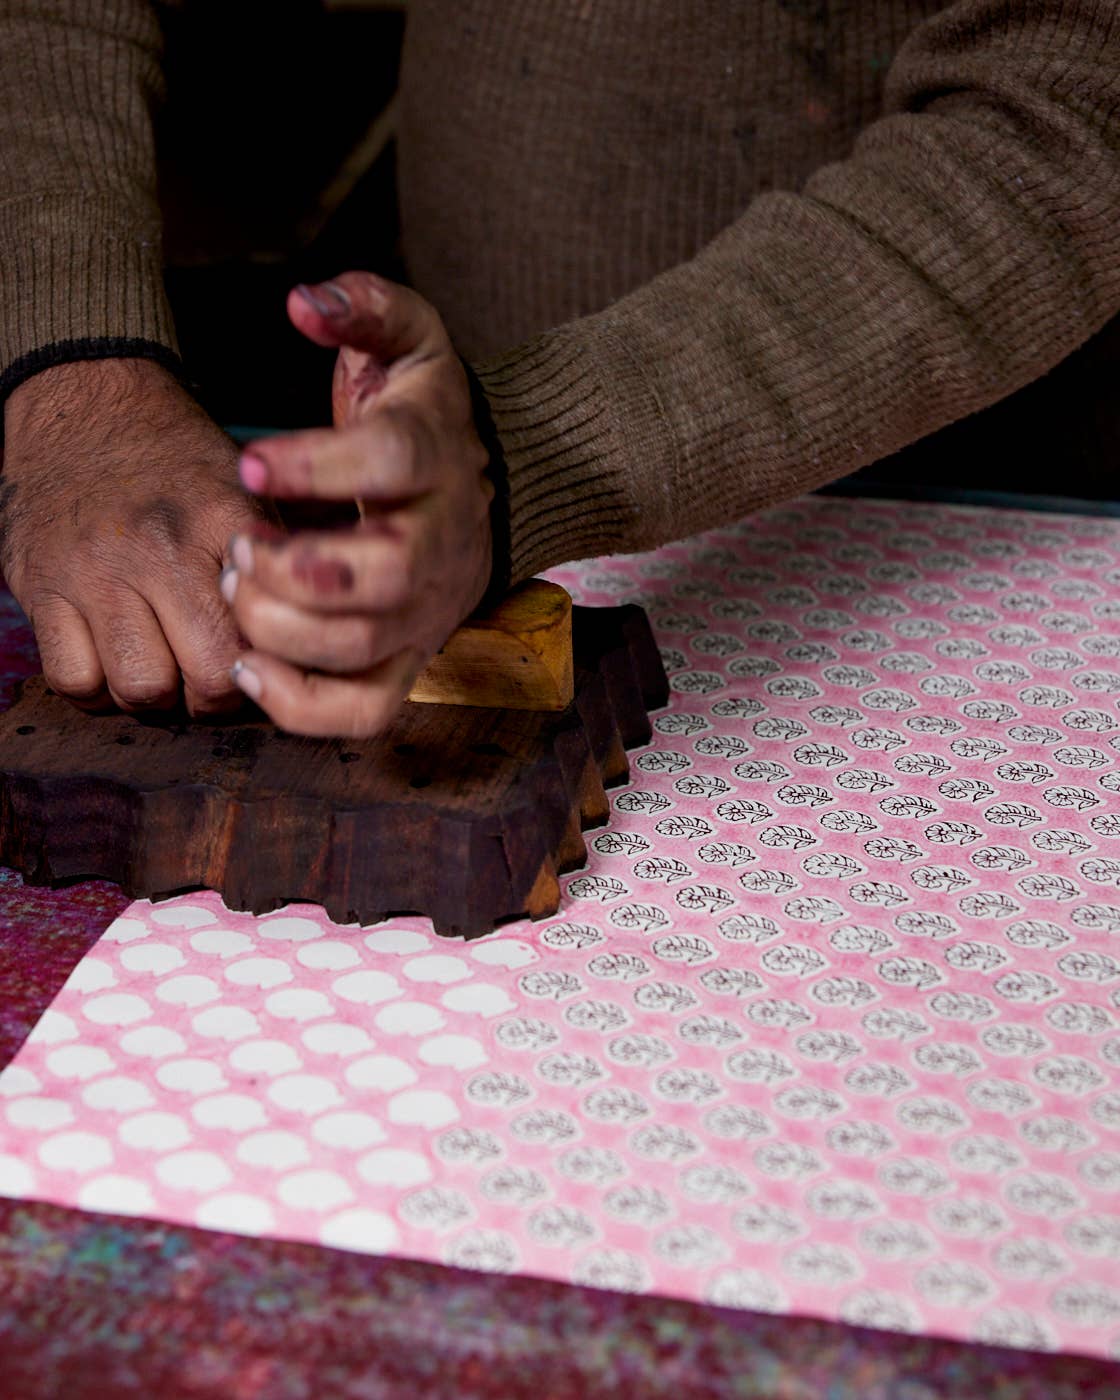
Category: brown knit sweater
[706,254]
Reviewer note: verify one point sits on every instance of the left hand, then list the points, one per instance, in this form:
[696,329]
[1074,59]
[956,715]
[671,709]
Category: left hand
[341,622]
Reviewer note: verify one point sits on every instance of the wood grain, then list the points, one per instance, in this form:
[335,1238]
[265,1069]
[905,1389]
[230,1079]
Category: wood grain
[517,656]
[463,814]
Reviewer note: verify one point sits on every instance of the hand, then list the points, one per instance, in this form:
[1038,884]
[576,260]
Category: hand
[340,623]
[117,499]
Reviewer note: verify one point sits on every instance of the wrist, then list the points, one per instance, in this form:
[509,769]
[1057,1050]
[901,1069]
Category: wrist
[59,378]
[106,408]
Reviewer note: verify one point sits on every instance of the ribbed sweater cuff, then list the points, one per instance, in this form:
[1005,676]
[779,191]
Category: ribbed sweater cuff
[70,274]
[570,412]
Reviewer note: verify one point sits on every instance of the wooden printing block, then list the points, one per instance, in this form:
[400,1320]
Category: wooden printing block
[462,813]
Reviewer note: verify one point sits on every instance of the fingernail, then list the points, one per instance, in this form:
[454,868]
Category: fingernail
[326,299]
[228,584]
[254,474]
[241,552]
[246,679]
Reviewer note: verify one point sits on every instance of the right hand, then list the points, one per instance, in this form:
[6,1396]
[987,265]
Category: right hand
[118,497]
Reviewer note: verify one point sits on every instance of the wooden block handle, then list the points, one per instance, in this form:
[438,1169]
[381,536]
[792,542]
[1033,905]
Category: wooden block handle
[518,656]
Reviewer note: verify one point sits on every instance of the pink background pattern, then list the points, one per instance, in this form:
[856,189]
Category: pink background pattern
[827,1025]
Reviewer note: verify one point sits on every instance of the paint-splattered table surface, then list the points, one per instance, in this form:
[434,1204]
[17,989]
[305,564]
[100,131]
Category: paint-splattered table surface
[95,1305]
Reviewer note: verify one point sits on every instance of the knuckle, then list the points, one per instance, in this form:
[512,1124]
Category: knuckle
[138,676]
[80,681]
[129,653]
[145,692]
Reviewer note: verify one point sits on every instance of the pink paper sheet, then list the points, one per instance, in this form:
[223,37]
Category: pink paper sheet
[827,1025]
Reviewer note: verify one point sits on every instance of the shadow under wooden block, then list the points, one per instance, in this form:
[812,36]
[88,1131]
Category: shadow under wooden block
[463,814]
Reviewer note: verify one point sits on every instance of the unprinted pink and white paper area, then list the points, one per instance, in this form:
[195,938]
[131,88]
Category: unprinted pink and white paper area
[827,1025]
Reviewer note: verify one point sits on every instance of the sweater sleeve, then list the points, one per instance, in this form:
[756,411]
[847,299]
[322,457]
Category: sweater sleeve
[80,256]
[967,245]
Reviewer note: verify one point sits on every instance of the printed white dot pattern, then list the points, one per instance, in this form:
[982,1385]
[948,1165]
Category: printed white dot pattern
[829,1023]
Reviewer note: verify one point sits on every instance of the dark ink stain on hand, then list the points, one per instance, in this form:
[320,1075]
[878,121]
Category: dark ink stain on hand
[323,575]
[163,518]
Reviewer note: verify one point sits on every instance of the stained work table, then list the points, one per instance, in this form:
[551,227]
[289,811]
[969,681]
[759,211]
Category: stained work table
[100,1305]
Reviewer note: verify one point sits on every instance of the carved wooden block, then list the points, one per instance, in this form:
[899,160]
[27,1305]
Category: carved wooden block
[517,656]
[464,814]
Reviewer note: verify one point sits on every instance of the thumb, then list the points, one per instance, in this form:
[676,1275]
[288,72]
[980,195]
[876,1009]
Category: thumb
[359,311]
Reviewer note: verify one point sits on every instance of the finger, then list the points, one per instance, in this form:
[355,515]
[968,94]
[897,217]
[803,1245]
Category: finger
[376,567]
[203,637]
[305,702]
[367,313]
[345,644]
[198,625]
[69,657]
[388,457]
[140,670]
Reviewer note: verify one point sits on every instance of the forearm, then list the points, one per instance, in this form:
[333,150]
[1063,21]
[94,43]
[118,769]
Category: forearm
[970,242]
[80,255]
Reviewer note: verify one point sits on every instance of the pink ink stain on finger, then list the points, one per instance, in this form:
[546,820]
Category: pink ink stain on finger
[254,474]
[322,575]
[370,379]
[354,388]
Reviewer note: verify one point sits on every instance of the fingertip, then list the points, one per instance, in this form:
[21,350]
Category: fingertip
[227,584]
[320,314]
[247,679]
[240,552]
[253,471]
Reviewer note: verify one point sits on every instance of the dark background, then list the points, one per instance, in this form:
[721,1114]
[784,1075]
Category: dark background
[276,167]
